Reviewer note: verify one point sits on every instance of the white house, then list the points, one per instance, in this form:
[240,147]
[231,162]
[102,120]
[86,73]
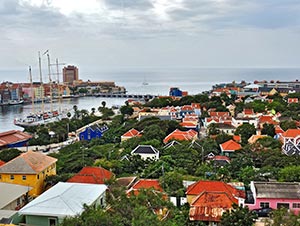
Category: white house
[62,200]
[146,151]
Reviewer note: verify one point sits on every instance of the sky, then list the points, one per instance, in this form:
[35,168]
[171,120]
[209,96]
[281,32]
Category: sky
[116,34]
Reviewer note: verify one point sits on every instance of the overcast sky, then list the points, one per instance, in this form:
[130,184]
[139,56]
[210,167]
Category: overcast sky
[112,34]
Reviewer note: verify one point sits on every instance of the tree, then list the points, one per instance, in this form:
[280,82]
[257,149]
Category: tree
[172,183]
[290,174]
[153,132]
[268,129]
[288,124]
[9,154]
[103,103]
[238,216]
[283,217]
[126,110]
[245,131]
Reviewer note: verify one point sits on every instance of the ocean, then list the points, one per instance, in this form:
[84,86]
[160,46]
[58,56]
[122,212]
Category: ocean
[193,80]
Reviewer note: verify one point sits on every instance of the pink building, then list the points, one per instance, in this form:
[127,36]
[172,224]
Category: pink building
[275,195]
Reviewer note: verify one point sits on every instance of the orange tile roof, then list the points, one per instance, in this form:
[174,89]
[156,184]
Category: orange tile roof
[248,111]
[132,133]
[13,136]
[91,175]
[278,129]
[28,163]
[230,145]
[293,100]
[213,186]
[209,206]
[237,138]
[292,133]
[145,184]
[216,113]
[187,108]
[2,163]
[267,119]
[181,135]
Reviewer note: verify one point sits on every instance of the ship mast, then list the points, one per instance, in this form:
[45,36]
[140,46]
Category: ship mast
[31,90]
[50,80]
[41,80]
[59,94]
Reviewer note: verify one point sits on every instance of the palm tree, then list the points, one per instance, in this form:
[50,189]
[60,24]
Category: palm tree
[103,103]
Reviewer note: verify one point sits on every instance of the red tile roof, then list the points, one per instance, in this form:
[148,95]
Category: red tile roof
[293,100]
[2,163]
[230,146]
[145,184]
[221,157]
[278,130]
[213,186]
[13,136]
[237,138]
[91,175]
[267,119]
[248,111]
[216,113]
[209,206]
[292,133]
[132,133]
[181,135]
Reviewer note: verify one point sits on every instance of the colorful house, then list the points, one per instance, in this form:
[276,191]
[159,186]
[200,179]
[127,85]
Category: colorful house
[29,169]
[130,134]
[275,195]
[145,184]
[91,132]
[181,135]
[13,139]
[210,199]
[291,142]
[91,175]
[229,147]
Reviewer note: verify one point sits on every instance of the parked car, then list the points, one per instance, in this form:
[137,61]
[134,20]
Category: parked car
[263,212]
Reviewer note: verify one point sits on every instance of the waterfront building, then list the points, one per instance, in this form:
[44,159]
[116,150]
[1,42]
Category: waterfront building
[13,139]
[70,74]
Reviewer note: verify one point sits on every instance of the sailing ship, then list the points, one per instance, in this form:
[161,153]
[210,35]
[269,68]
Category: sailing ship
[43,117]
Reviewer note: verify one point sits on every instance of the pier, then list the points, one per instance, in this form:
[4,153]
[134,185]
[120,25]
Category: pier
[124,95]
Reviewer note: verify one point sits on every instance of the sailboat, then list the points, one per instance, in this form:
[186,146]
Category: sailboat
[43,117]
[145,83]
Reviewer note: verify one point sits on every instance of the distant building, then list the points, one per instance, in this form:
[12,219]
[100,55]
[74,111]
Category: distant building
[70,74]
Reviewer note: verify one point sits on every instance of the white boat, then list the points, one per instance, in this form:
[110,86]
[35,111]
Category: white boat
[15,102]
[38,119]
[43,117]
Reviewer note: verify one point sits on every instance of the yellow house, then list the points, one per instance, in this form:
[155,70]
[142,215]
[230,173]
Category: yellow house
[29,169]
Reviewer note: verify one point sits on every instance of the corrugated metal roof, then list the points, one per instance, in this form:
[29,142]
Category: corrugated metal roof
[287,190]
[10,192]
[64,199]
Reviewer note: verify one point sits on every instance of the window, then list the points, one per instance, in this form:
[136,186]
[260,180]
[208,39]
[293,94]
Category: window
[0,176]
[52,221]
[12,177]
[296,205]
[283,205]
[264,205]
[38,176]
[23,177]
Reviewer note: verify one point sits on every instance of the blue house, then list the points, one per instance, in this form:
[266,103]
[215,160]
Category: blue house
[13,139]
[91,132]
[175,92]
